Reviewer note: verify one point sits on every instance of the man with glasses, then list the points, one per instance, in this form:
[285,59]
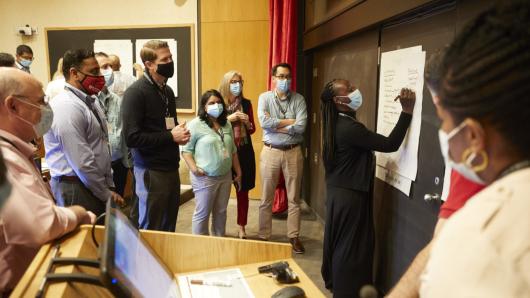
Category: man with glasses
[29,217]
[24,58]
[282,114]
[77,145]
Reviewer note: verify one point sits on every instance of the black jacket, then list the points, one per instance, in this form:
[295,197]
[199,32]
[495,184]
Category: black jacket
[144,125]
[353,165]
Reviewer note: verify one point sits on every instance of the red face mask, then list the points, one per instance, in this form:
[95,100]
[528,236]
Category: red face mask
[93,84]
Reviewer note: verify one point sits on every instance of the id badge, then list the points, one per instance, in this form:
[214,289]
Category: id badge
[225,153]
[170,122]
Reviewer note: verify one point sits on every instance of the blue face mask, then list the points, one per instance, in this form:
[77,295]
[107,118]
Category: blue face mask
[356,100]
[214,110]
[235,89]
[24,62]
[109,76]
[46,118]
[283,86]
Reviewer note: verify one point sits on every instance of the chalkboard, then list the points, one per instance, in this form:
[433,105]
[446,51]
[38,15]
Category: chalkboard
[59,40]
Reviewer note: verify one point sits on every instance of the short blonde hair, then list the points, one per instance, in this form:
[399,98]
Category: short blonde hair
[148,50]
[224,88]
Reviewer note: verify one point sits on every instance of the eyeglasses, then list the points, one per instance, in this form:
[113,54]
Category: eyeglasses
[44,100]
[283,77]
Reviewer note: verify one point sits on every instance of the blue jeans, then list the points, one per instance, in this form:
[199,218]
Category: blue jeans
[211,196]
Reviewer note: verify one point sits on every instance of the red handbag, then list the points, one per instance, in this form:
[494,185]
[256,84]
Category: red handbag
[280,203]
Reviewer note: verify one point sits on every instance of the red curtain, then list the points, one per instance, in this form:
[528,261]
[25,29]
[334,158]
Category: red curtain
[283,35]
[283,45]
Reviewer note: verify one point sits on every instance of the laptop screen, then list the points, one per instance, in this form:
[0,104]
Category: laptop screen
[130,266]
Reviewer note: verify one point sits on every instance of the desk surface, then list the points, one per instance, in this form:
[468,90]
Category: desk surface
[183,253]
[262,285]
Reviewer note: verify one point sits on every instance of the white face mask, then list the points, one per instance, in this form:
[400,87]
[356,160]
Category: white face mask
[463,168]
[46,119]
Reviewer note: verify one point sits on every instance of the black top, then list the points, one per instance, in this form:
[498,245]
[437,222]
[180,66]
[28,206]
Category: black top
[144,125]
[354,160]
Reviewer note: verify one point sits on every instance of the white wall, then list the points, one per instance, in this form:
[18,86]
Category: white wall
[92,13]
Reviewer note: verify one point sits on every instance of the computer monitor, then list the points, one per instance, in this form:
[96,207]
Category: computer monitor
[129,267]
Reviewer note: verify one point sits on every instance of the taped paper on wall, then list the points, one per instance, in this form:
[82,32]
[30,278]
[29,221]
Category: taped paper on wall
[119,47]
[403,184]
[400,69]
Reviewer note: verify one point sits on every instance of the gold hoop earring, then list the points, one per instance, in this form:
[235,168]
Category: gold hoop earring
[468,156]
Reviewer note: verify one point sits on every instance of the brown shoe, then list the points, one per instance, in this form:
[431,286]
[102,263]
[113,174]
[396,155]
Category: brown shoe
[298,248]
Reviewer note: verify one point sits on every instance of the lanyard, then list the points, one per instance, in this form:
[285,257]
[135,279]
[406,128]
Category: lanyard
[282,110]
[92,109]
[221,134]
[160,91]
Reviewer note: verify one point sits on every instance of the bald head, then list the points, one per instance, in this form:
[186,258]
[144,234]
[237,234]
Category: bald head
[115,62]
[15,81]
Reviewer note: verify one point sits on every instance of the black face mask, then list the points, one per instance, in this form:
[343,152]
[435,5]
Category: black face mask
[166,70]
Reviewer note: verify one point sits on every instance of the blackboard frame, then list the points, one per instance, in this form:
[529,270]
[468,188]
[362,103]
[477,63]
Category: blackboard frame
[65,38]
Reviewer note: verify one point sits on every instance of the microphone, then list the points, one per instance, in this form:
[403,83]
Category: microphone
[368,291]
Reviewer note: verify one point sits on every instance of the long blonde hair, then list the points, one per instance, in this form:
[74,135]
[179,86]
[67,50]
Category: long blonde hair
[59,72]
[224,88]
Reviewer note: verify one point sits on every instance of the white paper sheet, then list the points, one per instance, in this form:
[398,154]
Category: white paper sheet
[403,184]
[238,288]
[399,69]
[447,183]
[119,47]
[172,82]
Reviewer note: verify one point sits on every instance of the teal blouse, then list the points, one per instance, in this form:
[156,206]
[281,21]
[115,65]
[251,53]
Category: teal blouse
[212,151]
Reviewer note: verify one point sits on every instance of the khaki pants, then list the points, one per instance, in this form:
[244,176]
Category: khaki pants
[291,163]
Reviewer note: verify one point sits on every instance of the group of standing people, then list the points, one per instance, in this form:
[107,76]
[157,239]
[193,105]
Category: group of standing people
[102,123]
[220,153]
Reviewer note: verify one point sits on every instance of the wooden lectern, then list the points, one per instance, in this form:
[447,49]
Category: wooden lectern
[182,253]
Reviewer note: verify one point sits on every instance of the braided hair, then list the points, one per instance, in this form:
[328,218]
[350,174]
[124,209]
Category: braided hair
[485,74]
[329,122]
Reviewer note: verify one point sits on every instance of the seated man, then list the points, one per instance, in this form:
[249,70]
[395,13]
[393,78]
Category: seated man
[29,217]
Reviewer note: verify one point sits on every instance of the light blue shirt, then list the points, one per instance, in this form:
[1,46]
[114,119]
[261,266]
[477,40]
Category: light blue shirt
[294,107]
[111,104]
[77,145]
[211,153]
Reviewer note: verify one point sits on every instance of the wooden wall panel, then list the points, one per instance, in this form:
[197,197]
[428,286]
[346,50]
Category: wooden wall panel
[235,36]
[234,10]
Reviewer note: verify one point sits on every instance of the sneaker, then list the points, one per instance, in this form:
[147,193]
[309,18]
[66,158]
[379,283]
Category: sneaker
[298,248]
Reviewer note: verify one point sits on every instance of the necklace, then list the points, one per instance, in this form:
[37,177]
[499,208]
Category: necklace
[515,167]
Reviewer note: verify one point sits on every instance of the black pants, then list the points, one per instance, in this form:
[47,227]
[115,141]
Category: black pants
[348,241]
[157,198]
[69,193]
[119,175]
